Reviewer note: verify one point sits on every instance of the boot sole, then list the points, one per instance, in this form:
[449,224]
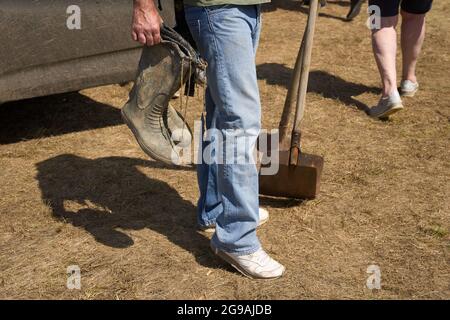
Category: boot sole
[138,139]
[233,263]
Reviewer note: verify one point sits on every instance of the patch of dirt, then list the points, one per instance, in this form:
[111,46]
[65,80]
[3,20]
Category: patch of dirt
[77,190]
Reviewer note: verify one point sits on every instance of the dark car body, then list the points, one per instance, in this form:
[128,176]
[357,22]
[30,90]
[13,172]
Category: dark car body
[41,55]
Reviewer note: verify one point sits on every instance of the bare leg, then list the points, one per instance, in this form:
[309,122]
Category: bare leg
[413,34]
[384,44]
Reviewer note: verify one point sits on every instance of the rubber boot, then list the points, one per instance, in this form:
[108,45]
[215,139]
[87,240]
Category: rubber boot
[163,69]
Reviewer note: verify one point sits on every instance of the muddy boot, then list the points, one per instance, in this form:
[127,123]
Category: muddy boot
[181,132]
[163,69]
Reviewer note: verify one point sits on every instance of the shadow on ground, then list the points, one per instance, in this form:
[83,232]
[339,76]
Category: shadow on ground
[320,82]
[53,115]
[280,203]
[108,196]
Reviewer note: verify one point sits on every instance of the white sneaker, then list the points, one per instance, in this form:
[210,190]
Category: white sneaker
[387,106]
[408,88]
[258,265]
[263,218]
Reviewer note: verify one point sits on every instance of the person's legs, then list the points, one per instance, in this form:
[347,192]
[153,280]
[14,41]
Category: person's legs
[227,38]
[413,34]
[384,44]
[209,205]
[224,35]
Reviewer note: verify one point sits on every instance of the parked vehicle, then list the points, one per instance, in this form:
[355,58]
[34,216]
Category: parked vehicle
[44,52]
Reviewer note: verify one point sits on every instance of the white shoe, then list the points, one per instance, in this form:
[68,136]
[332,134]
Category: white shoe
[263,218]
[387,106]
[408,88]
[258,265]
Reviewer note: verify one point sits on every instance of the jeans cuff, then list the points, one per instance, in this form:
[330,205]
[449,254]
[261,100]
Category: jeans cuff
[239,251]
[207,220]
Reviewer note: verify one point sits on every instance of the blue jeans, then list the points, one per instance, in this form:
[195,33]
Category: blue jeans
[227,38]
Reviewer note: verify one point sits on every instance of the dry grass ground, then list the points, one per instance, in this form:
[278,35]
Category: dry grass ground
[76,189]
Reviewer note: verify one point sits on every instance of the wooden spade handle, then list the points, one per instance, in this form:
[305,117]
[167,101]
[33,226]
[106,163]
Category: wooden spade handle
[307,46]
[306,61]
[290,98]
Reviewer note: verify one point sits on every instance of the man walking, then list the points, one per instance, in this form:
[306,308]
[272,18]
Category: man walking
[226,33]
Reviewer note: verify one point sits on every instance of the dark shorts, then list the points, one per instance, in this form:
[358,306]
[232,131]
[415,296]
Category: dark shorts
[389,8]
